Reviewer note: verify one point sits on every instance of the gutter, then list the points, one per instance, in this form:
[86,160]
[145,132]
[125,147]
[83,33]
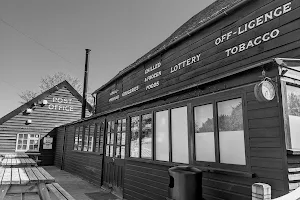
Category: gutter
[188,34]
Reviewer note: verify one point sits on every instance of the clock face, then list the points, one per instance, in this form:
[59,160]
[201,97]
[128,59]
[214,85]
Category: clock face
[268,90]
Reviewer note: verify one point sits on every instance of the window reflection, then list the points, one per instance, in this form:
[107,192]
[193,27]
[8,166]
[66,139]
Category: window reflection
[162,136]
[146,137]
[293,103]
[134,137]
[204,133]
[231,132]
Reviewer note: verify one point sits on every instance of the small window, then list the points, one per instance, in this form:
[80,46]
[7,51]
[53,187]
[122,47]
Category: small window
[134,137]
[28,142]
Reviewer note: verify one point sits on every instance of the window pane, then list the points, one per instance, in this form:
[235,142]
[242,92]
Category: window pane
[124,125]
[80,138]
[107,150]
[108,126]
[76,139]
[123,138]
[122,152]
[107,138]
[97,137]
[134,137]
[180,152]
[293,102]
[101,137]
[112,138]
[86,138]
[162,136]
[111,151]
[112,126]
[91,139]
[119,125]
[204,133]
[146,136]
[231,132]
[118,155]
[118,138]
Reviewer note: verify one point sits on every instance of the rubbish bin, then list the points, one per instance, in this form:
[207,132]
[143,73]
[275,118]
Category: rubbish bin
[185,183]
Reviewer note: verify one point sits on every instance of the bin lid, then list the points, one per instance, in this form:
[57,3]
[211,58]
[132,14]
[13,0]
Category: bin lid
[185,169]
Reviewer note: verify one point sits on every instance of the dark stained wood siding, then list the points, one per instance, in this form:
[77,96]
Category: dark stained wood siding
[214,61]
[44,121]
[149,181]
[293,171]
[60,132]
[87,165]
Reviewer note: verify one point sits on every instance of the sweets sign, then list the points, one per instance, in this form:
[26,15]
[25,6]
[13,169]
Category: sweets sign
[59,103]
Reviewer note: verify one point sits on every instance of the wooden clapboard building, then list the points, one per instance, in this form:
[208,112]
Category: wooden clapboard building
[24,129]
[215,95]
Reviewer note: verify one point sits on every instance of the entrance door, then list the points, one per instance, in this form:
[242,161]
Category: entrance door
[113,176]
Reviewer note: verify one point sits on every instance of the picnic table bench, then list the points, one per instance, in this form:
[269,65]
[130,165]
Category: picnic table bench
[16,155]
[25,180]
[18,162]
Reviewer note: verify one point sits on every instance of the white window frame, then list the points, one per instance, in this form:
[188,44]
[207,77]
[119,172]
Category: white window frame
[28,142]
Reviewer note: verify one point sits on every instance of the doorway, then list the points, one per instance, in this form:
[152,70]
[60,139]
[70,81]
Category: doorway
[114,164]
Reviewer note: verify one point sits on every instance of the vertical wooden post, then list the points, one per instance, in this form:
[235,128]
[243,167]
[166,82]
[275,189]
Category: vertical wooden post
[261,191]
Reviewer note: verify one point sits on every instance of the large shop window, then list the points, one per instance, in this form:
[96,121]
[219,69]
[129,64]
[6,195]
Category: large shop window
[141,136]
[28,142]
[166,121]
[227,128]
[293,106]
[89,138]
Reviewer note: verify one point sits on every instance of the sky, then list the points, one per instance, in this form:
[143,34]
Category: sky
[42,37]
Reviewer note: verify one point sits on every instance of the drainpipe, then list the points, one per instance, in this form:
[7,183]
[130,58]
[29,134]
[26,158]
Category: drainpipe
[86,72]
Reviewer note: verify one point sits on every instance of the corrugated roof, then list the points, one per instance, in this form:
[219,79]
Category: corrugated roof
[204,16]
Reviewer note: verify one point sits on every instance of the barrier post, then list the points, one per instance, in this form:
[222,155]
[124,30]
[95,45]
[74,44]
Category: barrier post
[261,191]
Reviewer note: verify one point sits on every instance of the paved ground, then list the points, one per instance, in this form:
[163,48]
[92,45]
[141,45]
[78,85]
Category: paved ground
[76,186]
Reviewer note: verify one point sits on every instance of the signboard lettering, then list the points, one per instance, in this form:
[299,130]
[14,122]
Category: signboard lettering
[277,12]
[153,85]
[152,76]
[185,63]
[156,66]
[114,98]
[113,92]
[62,101]
[134,89]
[252,43]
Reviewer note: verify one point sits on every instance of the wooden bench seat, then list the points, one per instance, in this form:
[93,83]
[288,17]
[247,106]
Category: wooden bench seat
[59,192]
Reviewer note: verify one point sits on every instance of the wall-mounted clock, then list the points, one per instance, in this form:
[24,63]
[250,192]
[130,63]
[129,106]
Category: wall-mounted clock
[264,91]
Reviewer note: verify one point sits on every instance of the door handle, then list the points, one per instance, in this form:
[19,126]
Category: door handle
[113,159]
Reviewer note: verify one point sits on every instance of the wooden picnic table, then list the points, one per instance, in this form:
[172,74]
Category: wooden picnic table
[24,180]
[16,155]
[18,162]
